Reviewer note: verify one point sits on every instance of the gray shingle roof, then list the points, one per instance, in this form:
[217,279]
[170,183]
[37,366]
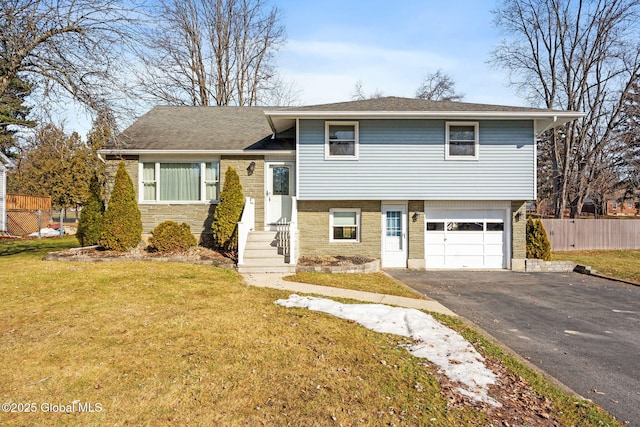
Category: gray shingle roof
[198,128]
[248,128]
[396,104]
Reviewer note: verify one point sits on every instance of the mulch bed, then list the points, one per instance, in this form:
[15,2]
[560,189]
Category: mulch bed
[333,261]
[197,255]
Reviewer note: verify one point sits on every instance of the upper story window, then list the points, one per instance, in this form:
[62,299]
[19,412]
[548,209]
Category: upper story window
[462,141]
[341,140]
[179,182]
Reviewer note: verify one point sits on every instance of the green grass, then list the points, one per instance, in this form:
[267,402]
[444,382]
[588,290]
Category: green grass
[36,248]
[374,282]
[159,343]
[621,264]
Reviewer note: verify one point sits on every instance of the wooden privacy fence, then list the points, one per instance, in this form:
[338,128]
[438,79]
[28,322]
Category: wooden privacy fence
[585,234]
[27,214]
[28,203]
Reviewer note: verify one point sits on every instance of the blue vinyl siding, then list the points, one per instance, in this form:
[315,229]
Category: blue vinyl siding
[404,160]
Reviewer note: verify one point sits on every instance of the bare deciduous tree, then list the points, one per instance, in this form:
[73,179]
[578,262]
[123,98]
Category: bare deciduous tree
[359,95]
[212,52]
[438,86]
[573,55]
[629,130]
[63,45]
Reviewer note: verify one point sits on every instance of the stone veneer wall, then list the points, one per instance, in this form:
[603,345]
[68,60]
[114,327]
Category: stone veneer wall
[416,234]
[252,185]
[313,227]
[519,235]
[198,215]
[540,266]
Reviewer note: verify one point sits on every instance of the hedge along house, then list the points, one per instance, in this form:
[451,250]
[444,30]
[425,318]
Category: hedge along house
[414,183]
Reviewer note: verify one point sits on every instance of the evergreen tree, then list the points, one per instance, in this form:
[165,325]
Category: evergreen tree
[13,114]
[122,224]
[538,245]
[228,212]
[97,138]
[54,164]
[90,223]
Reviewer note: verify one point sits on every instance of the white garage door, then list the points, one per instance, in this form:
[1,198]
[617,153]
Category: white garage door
[465,238]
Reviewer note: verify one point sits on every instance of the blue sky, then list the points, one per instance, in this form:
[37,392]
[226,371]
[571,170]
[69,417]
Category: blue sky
[390,46]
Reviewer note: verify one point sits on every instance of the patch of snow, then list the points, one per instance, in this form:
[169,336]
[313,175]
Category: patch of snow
[444,347]
[46,232]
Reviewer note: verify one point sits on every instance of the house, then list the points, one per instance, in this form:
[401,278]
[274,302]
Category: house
[414,183]
[5,163]
[625,207]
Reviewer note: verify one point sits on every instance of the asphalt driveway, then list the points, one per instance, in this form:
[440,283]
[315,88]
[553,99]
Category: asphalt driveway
[582,330]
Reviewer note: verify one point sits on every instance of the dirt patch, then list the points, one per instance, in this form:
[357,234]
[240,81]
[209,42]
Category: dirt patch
[197,255]
[333,261]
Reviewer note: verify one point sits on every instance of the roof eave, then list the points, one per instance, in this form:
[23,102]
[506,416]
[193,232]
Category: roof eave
[543,119]
[6,161]
[137,152]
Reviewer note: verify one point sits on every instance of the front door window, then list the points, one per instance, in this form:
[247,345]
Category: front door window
[280,181]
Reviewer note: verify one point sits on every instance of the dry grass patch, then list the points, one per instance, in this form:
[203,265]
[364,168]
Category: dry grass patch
[623,264]
[192,345]
[372,282]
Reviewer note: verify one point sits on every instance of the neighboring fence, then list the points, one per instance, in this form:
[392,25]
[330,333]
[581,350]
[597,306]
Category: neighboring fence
[28,203]
[585,234]
[24,222]
[27,214]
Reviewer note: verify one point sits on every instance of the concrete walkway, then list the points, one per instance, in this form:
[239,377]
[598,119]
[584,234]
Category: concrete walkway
[275,281]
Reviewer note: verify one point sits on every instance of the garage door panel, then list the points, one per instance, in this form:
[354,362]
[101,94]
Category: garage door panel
[465,238]
[464,250]
[495,261]
[495,250]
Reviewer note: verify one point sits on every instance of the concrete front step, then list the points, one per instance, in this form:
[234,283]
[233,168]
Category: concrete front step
[273,260]
[251,244]
[262,236]
[283,269]
[261,255]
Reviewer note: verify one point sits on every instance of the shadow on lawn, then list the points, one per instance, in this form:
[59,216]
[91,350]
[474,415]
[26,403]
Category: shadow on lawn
[36,247]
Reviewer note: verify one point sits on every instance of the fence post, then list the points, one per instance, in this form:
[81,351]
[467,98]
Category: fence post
[39,224]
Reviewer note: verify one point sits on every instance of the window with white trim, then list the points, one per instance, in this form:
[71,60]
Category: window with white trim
[344,225]
[461,140]
[179,181]
[341,140]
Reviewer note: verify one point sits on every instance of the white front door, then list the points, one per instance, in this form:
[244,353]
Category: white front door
[280,184]
[394,235]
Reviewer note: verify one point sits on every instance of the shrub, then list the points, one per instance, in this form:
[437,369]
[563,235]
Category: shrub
[90,223]
[228,212]
[538,245]
[122,225]
[169,236]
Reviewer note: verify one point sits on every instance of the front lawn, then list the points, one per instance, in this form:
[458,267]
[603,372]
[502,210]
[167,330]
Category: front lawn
[373,282]
[165,343]
[623,264]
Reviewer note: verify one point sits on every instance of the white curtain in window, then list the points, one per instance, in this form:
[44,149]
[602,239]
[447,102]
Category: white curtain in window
[179,181]
[211,181]
[149,181]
